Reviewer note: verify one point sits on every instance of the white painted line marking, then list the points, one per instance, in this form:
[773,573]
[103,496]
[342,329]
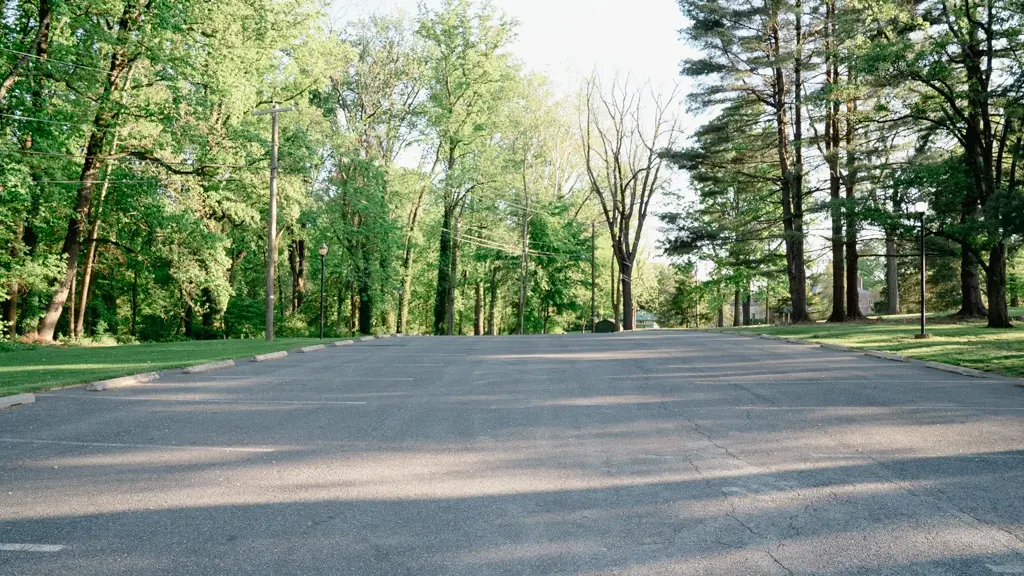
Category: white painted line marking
[283,379]
[1006,568]
[802,382]
[120,445]
[31,547]
[1011,408]
[203,401]
[364,351]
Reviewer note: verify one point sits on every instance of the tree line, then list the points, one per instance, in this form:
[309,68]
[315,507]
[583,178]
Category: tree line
[454,190]
[827,122]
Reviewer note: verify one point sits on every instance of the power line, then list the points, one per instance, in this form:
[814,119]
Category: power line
[96,181]
[537,242]
[48,59]
[484,242]
[29,119]
[123,157]
[144,181]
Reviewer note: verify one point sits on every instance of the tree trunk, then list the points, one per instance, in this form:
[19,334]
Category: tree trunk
[101,125]
[403,298]
[11,310]
[365,308]
[478,311]
[998,312]
[737,307]
[90,251]
[338,316]
[838,265]
[10,306]
[792,208]
[38,49]
[444,273]
[135,299]
[353,309]
[746,307]
[209,314]
[628,317]
[454,284]
[616,295]
[407,258]
[293,269]
[524,263]
[492,302]
[365,284]
[853,282]
[892,278]
[832,160]
[278,302]
[187,320]
[72,239]
[799,297]
[971,305]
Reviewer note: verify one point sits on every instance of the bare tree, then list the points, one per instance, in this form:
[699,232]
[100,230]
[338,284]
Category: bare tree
[624,130]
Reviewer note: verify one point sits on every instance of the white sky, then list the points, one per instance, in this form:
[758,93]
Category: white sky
[569,39]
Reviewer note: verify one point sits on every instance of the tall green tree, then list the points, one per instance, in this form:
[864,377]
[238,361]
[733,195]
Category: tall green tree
[466,72]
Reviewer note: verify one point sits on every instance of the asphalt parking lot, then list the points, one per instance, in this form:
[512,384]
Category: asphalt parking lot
[644,453]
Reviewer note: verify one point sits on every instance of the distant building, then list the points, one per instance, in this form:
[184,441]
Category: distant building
[865,298]
[646,320]
[866,301]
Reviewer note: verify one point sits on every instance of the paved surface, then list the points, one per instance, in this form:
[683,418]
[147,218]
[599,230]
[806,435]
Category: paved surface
[648,453]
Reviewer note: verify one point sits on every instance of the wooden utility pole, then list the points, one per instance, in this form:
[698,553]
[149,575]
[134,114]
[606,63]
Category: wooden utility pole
[272,229]
[593,277]
[524,266]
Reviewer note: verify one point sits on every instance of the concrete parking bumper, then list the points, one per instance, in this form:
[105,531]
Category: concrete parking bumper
[208,367]
[17,400]
[269,356]
[122,382]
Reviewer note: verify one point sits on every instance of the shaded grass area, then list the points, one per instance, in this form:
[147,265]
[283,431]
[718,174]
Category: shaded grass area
[968,345]
[40,367]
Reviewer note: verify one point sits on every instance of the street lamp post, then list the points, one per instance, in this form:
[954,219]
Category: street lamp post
[323,255]
[401,317]
[921,208]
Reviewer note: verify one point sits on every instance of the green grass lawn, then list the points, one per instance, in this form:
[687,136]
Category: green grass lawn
[969,345]
[45,367]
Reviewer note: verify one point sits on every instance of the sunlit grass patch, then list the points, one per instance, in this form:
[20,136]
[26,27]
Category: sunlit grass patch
[971,345]
[43,367]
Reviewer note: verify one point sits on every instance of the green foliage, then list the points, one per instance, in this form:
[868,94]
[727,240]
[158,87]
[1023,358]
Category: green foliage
[130,161]
[896,102]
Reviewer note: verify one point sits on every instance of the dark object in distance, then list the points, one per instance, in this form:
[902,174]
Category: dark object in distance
[604,327]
